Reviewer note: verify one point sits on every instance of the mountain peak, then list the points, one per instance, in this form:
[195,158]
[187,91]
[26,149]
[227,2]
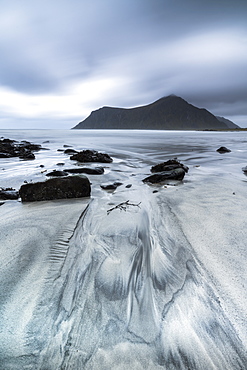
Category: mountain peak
[168,113]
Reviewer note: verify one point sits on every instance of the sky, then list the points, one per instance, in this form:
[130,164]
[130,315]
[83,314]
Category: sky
[62,59]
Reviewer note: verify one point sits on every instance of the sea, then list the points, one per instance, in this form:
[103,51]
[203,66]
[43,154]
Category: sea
[143,276]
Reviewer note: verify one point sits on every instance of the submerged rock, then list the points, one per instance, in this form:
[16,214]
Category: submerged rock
[91,156]
[223,149]
[168,166]
[111,186]
[56,188]
[87,170]
[8,193]
[176,174]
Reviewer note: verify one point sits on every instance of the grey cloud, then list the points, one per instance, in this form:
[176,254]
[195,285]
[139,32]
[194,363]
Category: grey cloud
[45,46]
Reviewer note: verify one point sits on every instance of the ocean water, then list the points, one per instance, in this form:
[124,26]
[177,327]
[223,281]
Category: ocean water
[160,284]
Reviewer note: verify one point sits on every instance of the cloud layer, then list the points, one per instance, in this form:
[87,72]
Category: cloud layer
[62,59]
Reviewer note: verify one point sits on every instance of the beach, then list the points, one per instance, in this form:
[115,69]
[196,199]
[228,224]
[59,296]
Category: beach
[160,284]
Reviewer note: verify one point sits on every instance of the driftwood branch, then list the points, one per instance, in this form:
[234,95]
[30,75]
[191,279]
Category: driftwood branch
[123,206]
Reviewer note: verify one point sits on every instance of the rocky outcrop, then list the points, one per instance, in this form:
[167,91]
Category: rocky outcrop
[91,156]
[56,188]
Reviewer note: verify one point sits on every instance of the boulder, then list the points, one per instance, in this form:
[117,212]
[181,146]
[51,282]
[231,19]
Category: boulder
[56,188]
[91,156]
[87,170]
[223,149]
[168,166]
[176,174]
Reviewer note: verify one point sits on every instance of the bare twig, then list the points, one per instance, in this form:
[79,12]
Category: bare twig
[123,206]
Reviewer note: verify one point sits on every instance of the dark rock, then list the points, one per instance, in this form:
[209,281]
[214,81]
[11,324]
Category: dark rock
[128,186]
[91,156]
[60,150]
[26,154]
[8,193]
[2,203]
[87,170]
[155,191]
[244,169]
[70,151]
[223,149]
[42,166]
[56,173]
[5,155]
[66,146]
[56,188]
[111,186]
[60,164]
[176,174]
[29,146]
[8,141]
[24,149]
[168,166]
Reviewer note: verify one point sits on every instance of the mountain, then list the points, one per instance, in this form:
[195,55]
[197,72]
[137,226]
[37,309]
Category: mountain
[229,123]
[168,113]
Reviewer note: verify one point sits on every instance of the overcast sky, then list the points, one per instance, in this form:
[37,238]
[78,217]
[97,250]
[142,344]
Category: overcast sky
[61,59]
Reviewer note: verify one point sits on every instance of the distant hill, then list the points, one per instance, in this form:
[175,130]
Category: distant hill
[168,113]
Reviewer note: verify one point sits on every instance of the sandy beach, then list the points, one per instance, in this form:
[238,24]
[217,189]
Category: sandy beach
[159,285]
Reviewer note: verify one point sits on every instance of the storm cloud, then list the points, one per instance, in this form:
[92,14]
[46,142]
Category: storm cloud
[62,59]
